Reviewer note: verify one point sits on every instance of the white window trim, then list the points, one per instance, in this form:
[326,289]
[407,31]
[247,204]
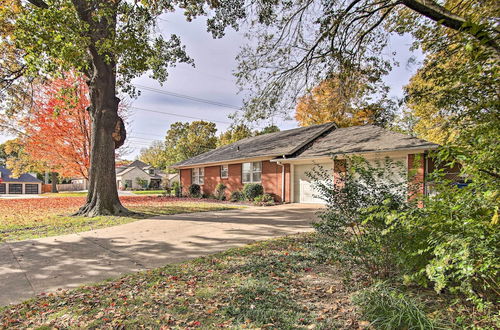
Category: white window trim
[198,175]
[251,173]
[227,172]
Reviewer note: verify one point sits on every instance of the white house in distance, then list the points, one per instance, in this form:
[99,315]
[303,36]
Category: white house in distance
[26,183]
[128,176]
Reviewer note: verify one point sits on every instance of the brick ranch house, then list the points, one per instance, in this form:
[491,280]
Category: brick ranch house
[279,161]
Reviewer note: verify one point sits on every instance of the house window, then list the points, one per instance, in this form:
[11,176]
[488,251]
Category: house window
[252,172]
[198,175]
[224,171]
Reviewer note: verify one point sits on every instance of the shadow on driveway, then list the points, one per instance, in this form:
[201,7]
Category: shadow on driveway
[34,266]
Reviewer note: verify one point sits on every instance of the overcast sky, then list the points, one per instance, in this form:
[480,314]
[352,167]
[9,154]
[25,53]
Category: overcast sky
[211,79]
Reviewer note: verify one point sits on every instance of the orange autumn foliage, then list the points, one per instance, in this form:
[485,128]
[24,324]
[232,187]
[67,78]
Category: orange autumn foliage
[58,129]
[344,101]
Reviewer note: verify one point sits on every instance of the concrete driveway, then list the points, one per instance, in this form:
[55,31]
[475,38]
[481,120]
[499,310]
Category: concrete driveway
[30,267]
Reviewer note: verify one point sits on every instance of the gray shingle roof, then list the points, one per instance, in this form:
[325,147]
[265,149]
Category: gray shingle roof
[267,145]
[367,138]
[25,177]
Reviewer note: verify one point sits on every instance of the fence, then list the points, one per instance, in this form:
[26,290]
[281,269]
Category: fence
[70,187]
[46,188]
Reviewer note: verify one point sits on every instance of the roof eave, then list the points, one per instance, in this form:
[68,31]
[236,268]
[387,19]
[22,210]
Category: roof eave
[224,162]
[419,148]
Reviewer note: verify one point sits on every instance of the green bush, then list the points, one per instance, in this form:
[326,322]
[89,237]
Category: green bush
[387,308]
[452,242]
[194,190]
[264,200]
[176,188]
[236,196]
[455,242]
[357,210]
[252,190]
[220,191]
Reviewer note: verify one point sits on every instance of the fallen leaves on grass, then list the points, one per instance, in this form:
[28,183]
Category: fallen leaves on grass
[38,217]
[227,290]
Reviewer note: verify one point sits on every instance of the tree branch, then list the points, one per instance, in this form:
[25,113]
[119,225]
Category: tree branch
[39,3]
[443,16]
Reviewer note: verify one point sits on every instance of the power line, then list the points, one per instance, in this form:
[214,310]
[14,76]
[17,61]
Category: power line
[177,115]
[144,133]
[189,97]
[141,138]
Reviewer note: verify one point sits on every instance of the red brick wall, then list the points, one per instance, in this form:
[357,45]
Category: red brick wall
[233,182]
[185,176]
[416,175]
[212,178]
[271,179]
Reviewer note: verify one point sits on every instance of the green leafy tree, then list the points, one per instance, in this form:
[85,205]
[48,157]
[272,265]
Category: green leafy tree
[296,45]
[3,155]
[154,155]
[454,96]
[186,140]
[268,129]
[18,160]
[111,43]
[233,134]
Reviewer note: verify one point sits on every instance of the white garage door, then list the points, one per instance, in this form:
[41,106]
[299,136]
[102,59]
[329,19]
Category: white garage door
[304,188]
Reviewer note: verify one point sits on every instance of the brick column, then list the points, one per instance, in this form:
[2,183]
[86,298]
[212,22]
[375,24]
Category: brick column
[339,169]
[185,180]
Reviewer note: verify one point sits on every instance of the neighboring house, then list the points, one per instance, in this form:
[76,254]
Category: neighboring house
[26,183]
[127,176]
[170,178]
[280,161]
[77,184]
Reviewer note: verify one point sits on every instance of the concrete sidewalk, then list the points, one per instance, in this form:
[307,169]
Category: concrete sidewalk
[41,265]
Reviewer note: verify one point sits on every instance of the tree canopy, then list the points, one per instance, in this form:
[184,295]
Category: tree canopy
[110,42]
[58,130]
[154,155]
[242,131]
[454,96]
[294,46]
[186,140]
[347,101]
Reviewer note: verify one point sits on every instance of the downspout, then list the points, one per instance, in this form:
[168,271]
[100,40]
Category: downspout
[283,197]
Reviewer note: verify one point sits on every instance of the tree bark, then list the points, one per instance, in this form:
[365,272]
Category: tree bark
[438,13]
[102,198]
[53,178]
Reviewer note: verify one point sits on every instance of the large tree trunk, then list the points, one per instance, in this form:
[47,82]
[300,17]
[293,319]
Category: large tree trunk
[108,131]
[53,178]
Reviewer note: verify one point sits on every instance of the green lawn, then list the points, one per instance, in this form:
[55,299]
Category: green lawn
[41,217]
[66,194]
[285,283]
[148,192]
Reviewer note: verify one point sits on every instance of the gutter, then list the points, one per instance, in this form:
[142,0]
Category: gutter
[283,198]
[356,153]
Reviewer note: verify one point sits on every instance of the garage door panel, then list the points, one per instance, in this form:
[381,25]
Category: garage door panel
[15,188]
[31,189]
[304,187]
